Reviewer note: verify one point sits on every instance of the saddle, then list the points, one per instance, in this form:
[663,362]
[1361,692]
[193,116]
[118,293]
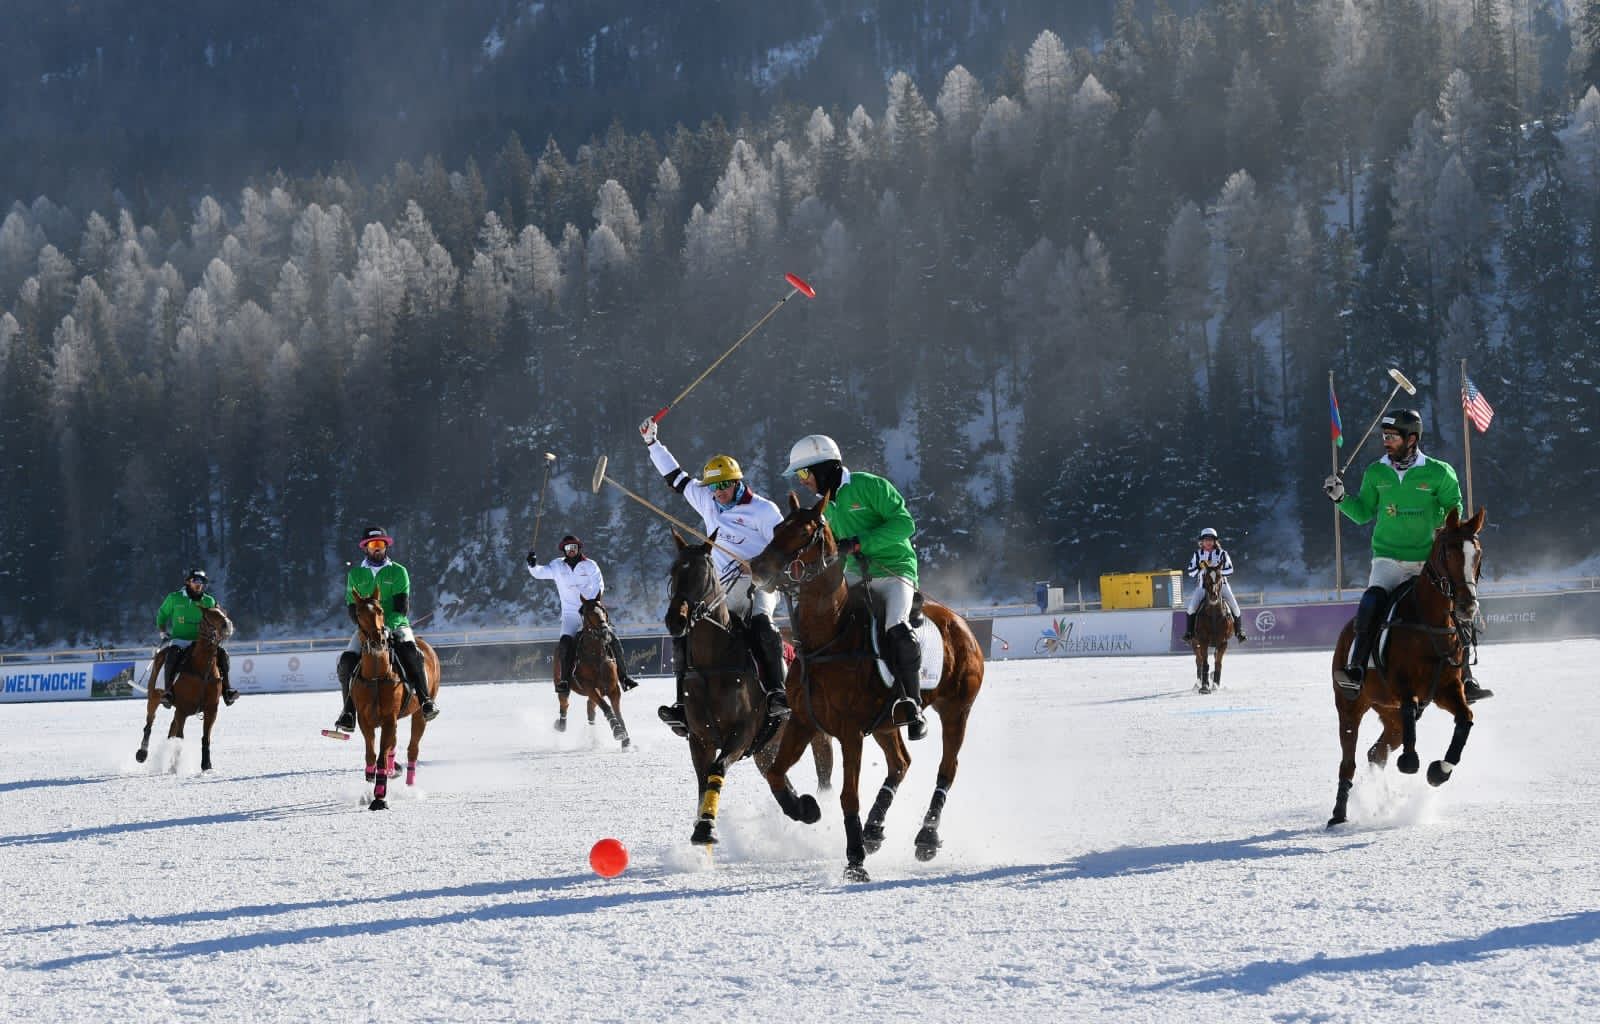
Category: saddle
[862,600]
[1383,624]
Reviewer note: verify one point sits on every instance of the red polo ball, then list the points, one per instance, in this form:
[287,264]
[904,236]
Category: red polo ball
[608,857]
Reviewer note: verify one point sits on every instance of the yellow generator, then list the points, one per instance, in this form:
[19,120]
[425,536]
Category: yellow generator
[1162,589]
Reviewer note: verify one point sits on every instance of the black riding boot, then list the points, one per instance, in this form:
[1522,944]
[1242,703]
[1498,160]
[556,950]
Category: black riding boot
[416,677]
[906,661]
[1188,627]
[672,714]
[1238,629]
[229,694]
[566,654]
[1366,621]
[614,645]
[766,647]
[348,661]
[1474,691]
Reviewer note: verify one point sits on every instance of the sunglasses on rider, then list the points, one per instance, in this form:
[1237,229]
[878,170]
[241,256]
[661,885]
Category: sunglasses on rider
[802,474]
[571,549]
[726,485]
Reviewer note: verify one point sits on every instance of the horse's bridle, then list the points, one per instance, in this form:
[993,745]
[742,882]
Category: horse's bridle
[798,572]
[1439,577]
[376,647]
[699,610]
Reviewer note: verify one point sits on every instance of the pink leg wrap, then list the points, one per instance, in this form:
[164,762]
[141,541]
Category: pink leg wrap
[411,773]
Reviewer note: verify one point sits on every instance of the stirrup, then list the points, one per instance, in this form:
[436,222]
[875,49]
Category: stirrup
[230,695]
[627,683]
[1474,692]
[1238,634]
[166,698]
[778,706]
[346,722]
[673,715]
[916,725]
[1188,637]
[429,711]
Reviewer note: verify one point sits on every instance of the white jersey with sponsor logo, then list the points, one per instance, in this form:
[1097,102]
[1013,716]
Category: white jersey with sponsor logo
[745,527]
[575,583]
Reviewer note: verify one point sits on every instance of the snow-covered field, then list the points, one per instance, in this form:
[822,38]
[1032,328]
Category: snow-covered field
[1117,848]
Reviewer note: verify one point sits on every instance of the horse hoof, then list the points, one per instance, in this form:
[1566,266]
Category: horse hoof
[626,742]
[619,733]
[928,843]
[1337,819]
[1437,776]
[1408,763]
[856,873]
[561,725]
[205,766]
[140,756]
[872,838]
[810,813]
[378,804]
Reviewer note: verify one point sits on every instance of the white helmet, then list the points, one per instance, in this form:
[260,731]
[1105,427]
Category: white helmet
[1208,532]
[810,450]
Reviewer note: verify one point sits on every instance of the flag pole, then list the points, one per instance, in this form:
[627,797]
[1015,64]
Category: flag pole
[1338,553]
[1466,434]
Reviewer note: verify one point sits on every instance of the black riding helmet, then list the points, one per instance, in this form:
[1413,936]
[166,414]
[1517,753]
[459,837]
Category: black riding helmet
[1405,422]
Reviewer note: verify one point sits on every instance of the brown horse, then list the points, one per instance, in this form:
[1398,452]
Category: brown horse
[1429,643]
[836,687]
[1213,626]
[196,688]
[595,672]
[381,697]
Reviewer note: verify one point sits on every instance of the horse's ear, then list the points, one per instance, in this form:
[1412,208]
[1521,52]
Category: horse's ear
[679,539]
[1478,519]
[1452,520]
[821,506]
[355,598]
[377,591]
[712,540]
[794,502]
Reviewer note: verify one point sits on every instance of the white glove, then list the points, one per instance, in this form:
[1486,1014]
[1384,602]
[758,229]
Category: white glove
[1333,487]
[647,432]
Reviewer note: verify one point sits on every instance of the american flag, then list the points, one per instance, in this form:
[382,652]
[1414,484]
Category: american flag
[1479,411]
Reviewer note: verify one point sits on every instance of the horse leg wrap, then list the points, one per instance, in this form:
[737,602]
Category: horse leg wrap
[872,834]
[411,773]
[372,771]
[1458,742]
[1340,804]
[855,850]
[711,797]
[936,806]
[880,806]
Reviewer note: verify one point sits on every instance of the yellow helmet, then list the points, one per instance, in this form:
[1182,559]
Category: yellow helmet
[721,469]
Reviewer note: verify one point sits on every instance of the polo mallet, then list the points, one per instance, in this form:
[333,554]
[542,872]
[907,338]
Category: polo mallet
[797,285]
[1400,383]
[601,478]
[549,460]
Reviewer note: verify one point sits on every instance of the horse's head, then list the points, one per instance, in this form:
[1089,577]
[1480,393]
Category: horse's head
[215,625]
[1456,562]
[594,614]
[692,584]
[1211,582]
[369,621]
[801,548]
